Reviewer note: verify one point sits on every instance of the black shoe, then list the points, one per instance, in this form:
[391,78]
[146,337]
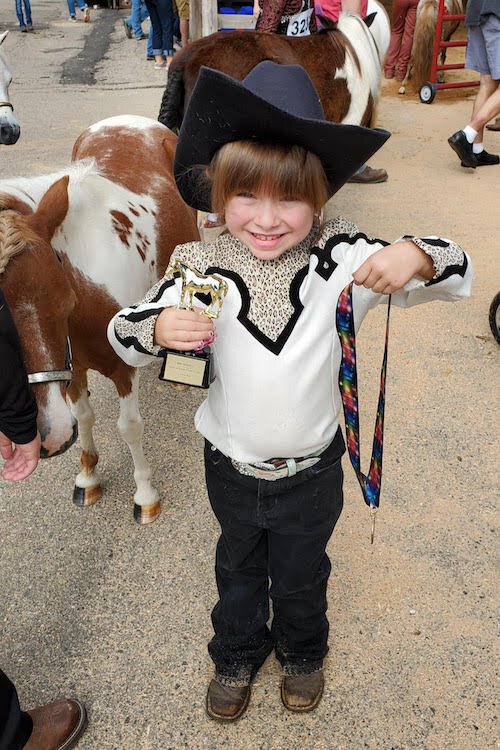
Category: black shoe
[127,29]
[484,159]
[461,146]
[150,57]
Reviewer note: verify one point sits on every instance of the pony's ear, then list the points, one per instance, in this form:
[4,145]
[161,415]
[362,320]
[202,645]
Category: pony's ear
[369,19]
[326,23]
[52,209]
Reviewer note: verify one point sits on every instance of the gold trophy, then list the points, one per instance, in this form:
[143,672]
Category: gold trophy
[183,369]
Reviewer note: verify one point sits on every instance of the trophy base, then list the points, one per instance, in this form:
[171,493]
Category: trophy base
[188,368]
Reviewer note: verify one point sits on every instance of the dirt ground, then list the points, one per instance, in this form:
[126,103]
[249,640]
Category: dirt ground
[94,605]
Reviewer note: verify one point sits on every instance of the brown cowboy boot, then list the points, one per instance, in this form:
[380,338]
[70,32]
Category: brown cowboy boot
[302,692]
[57,726]
[227,703]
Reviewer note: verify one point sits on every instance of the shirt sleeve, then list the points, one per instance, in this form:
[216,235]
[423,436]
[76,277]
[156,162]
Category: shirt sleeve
[452,266]
[131,330]
[270,15]
[18,410]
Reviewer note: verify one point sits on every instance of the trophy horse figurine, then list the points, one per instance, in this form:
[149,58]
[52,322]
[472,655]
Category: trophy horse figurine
[183,369]
[193,281]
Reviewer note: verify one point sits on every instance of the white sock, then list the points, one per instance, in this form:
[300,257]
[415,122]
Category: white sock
[477,148]
[470,133]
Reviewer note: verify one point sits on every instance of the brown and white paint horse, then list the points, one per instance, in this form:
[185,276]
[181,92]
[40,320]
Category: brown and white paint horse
[423,40]
[344,64]
[75,247]
[9,126]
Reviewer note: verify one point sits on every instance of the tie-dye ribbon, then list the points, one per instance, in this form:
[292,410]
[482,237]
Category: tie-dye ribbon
[348,382]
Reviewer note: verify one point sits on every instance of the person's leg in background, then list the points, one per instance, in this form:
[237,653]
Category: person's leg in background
[166,14]
[156,34]
[27,13]
[20,15]
[482,55]
[133,24]
[397,30]
[403,59]
[149,47]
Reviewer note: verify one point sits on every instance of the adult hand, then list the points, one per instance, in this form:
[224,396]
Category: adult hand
[183,330]
[21,460]
[390,268]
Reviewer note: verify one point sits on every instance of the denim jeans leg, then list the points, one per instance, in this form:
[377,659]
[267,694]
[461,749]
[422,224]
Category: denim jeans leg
[242,640]
[71,7]
[19,13]
[27,11]
[149,46]
[135,18]
[301,521]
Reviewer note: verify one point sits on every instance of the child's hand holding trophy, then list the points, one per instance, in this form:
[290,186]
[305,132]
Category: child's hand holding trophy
[194,367]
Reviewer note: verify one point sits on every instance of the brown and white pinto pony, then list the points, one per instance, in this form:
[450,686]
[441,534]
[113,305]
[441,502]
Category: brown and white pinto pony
[9,126]
[75,247]
[423,40]
[344,64]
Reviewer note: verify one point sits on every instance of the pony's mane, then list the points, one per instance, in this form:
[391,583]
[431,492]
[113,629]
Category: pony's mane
[15,235]
[31,189]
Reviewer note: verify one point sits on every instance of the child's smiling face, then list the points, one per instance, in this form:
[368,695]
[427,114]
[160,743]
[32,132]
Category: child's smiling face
[268,226]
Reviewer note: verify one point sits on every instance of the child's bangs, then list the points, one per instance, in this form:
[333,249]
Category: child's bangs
[279,171]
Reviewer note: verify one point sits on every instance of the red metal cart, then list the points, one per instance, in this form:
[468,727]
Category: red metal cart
[429,89]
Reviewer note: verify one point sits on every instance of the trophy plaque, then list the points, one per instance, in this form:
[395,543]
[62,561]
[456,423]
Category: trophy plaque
[195,368]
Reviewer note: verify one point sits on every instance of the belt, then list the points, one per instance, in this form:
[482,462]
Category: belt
[278,468]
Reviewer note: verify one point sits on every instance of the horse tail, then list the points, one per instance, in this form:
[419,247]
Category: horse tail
[423,43]
[172,103]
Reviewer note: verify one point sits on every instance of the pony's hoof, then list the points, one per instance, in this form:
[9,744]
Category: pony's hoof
[402,90]
[83,496]
[147,513]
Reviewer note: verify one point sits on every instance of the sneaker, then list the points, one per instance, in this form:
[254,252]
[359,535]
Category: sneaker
[142,36]
[159,65]
[72,18]
[86,15]
[150,57]
[127,29]
[24,29]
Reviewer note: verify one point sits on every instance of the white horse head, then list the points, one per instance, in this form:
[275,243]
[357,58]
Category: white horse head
[9,126]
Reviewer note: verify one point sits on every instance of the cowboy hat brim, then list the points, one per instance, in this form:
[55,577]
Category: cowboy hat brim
[222,110]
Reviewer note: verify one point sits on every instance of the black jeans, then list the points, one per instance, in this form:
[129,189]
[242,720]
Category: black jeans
[15,725]
[275,531]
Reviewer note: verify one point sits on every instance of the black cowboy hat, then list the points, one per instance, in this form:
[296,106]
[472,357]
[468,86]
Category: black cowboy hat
[273,103]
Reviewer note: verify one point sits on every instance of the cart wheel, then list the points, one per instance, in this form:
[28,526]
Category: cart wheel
[427,93]
[495,317]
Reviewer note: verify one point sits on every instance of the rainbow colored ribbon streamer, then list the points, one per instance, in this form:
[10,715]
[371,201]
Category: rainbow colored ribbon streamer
[348,383]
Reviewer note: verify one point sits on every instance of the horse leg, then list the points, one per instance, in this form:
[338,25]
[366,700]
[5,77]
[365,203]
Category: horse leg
[87,490]
[131,427]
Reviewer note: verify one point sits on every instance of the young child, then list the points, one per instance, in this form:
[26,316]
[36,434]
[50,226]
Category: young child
[261,152]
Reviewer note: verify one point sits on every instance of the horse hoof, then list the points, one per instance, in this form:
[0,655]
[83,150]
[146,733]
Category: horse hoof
[147,513]
[84,496]
[402,90]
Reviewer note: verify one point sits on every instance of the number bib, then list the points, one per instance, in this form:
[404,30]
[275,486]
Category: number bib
[298,25]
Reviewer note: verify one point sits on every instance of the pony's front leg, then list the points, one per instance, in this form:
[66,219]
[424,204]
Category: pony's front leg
[130,424]
[87,490]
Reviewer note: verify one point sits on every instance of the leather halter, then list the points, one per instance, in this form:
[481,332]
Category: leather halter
[7,104]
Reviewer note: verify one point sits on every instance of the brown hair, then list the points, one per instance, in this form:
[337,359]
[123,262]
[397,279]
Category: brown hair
[277,170]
